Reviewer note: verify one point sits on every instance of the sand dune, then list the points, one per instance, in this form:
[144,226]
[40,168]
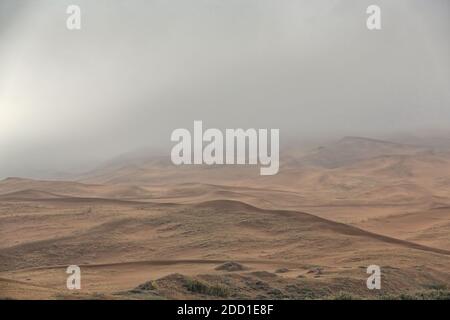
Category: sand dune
[158,228]
[138,235]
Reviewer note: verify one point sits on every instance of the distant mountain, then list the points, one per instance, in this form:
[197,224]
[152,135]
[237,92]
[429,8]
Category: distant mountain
[353,149]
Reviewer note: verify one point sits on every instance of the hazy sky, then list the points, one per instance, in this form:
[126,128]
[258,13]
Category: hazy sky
[137,70]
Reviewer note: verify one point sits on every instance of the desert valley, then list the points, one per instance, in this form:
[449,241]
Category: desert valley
[142,228]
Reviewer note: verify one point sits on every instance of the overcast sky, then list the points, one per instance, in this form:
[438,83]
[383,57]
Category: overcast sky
[137,70]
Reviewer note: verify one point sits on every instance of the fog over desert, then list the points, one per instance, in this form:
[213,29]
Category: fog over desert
[90,119]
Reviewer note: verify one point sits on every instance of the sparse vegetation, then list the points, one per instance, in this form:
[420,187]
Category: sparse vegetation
[201,287]
[147,286]
[344,296]
[433,294]
[230,266]
[436,286]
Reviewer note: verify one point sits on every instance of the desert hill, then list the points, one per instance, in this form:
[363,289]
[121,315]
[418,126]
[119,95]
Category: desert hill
[194,239]
[353,149]
[327,215]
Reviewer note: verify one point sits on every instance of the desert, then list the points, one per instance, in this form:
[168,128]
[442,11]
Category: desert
[224,150]
[155,232]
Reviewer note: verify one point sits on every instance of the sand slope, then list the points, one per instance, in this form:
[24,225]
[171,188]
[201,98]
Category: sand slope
[148,230]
